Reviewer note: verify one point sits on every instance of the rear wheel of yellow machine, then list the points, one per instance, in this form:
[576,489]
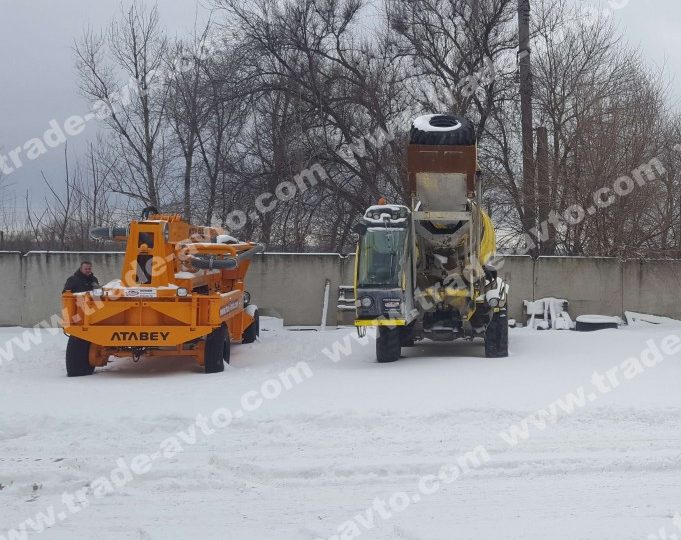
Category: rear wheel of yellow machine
[388,346]
[496,335]
[78,358]
[253,330]
[214,351]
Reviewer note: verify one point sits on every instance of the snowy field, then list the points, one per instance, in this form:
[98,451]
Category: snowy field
[350,448]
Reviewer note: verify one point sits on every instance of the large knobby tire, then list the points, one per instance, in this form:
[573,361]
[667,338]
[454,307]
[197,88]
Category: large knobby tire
[388,344]
[496,336]
[78,358]
[253,331]
[214,350]
[442,129]
[226,350]
[407,335]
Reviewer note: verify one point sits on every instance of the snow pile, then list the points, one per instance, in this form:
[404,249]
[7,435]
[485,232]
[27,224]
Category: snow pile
[599,319]
[226,239]
[643,319]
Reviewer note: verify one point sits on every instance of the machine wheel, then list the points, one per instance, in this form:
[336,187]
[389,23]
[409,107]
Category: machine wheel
[388,344]
[496,336]
[214,351]
[591,323]
[78,358]
[407,336]
[226,350]
[253,330]
[442,129]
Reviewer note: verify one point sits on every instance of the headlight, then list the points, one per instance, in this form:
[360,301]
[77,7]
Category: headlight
[366,301]
[247,298]
[493,302]
[97,292]
[182,292]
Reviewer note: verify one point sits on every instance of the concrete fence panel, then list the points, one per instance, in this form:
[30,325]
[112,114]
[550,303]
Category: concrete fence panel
[593,285]
[518,271]
[652,287]
[44,275]
[293,285]
[11,288]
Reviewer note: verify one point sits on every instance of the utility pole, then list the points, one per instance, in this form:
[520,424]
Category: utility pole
[544,194]
[529,188]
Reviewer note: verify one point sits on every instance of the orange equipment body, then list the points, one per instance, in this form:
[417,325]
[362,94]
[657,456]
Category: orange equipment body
[177,285]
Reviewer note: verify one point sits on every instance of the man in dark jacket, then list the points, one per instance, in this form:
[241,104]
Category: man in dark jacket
[83,280]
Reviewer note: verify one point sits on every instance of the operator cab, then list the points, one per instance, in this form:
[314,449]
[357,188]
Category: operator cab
[383,268]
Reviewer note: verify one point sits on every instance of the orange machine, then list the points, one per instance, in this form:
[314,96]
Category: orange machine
[181,293]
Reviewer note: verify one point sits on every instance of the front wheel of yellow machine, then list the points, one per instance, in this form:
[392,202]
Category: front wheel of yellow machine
[216,350]
[78,358]
[388,346]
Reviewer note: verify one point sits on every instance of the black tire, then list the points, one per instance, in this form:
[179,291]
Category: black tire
[407,336]
[462,132]
[214,351]
[226,350]
[253,331]
[496,336]
[78,358]
[593,327]
[388,345]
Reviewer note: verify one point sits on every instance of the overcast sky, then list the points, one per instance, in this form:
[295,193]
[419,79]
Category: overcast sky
[38,81]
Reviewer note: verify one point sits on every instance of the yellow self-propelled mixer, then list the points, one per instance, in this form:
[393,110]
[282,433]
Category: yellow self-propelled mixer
[424,272]
[181,293]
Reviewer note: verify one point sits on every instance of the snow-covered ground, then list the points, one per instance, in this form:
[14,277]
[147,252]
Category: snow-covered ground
[342,435]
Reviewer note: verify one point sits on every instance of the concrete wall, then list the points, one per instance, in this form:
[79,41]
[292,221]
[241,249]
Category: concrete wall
[44,274]
[519,272]
[591,285]
[11,288]
[292,285]
[652,287]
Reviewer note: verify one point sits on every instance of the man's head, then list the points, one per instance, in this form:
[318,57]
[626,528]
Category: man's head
[86,268]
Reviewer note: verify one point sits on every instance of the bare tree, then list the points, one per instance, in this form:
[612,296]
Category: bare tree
[186,110]
[602,115]
[300,84]
[457,51]
[121,72]
[226,101]
[343,92]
